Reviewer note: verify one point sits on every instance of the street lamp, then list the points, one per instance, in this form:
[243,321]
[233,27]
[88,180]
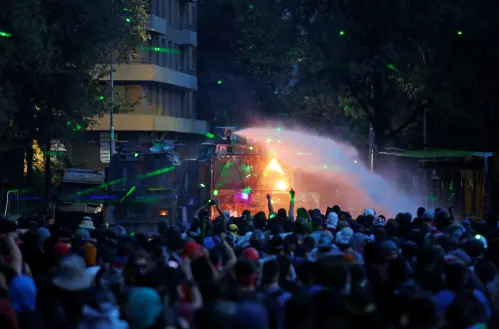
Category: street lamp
[112,142]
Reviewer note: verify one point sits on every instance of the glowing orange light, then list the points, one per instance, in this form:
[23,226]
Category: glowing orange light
[275,166]
[281,185]
[163,212]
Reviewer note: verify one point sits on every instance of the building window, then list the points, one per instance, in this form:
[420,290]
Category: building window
[194,105]
[154,6]
[158,104]
[192,18]
[169,56]
[174,58]
[162,58]
[183,55]
[167,100]
[193,58]
[183,104]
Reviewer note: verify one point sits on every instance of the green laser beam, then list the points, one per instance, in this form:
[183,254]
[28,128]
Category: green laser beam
[157,172]
[119,180]
[128,193]
[102,186]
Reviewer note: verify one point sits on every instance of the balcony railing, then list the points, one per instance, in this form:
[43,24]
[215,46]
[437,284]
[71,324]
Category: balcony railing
[133,60]
[141,60]
[190,27]
[189,71]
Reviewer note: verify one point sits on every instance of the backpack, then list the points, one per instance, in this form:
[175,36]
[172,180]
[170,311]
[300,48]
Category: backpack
[271,302]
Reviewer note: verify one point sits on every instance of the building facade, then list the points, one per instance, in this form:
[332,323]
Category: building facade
[158,87]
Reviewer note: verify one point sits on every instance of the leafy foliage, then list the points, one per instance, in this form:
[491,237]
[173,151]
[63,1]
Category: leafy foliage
[229,94]
[383,60]
[49,66]
[49,69]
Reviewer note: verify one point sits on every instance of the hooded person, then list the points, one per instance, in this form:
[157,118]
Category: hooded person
[325,247]
[369,212]
[144,308]
[332,221]
[344,238]
[23,294]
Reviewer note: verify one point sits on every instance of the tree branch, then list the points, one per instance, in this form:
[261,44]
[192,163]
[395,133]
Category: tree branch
[418,110]
[364,106]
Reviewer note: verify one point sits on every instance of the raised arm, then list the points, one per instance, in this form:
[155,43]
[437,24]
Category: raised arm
[203,207]
[15,253]
[269,204]
[291,212]
[222,214]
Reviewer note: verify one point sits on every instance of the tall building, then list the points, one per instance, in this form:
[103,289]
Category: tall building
[158,87]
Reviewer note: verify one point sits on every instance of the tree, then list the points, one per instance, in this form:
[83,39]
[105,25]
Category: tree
[229,93]
[386,61]
[50,65]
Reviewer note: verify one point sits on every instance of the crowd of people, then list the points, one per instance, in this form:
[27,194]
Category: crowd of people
[287,270]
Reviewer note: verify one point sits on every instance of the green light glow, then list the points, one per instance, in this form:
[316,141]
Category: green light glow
[215,192]
[210,135]
[342,33]
[202,185]
[157,172]
[219,82]
[161,50]
[459,32]
[136,155]
[5,34]
[392,67]
[128,193]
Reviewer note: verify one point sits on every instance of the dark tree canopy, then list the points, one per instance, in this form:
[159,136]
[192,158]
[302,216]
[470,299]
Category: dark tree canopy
[49,64]
[380,62]
[229,94]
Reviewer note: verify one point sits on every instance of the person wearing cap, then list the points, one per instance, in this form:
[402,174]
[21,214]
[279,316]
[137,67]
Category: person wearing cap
[247,278]
[234,232]
[69,293]
[250,254]
[87,223]
[192,250]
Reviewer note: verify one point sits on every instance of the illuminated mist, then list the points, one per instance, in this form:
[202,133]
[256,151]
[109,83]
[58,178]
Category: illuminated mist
[332,169]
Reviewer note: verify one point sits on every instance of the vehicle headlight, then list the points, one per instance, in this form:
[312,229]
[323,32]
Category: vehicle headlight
[98,209]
